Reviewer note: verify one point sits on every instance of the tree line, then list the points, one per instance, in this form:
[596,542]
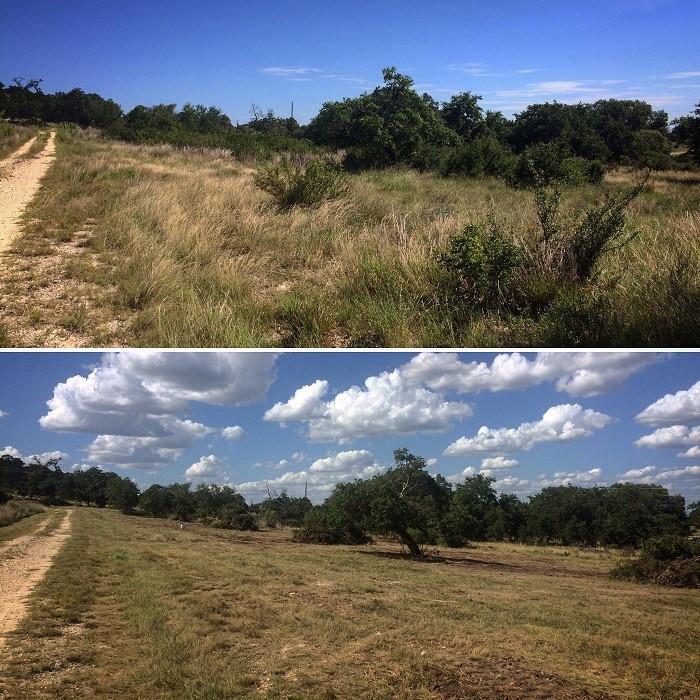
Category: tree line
[394,125]
[406,502]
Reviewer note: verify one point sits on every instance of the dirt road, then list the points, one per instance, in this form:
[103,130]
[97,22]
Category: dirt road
[23,563]
[19,182]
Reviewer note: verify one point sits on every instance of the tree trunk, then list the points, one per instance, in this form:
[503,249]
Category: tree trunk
[406,538]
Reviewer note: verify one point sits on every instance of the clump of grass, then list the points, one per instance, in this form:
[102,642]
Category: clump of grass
[13,511]
[302,182]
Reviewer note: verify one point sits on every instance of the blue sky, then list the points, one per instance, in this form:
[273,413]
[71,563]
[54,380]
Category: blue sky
[254,419]
[231,54]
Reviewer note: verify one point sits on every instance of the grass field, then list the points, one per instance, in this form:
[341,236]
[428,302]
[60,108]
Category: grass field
[137,607]
[157,247]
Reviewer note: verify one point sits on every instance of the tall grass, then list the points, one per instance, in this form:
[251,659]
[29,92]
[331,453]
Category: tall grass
[12,136]
[205,258]
[13,511]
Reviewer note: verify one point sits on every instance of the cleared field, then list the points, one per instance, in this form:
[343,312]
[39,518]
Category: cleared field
[158,247]
[135,607]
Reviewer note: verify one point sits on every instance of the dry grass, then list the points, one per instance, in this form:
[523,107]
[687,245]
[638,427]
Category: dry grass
[200,257]
[13,511]
[139,608]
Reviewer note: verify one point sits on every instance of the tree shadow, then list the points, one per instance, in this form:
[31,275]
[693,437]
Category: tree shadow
[438,559]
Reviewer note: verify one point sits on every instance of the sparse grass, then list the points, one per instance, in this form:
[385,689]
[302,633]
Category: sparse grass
[37,147]
[203,258]
[149,610]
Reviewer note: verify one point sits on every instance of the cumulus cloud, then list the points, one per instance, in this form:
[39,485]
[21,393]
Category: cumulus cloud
[131,400]
[682,473]
[345,462]
[304,405]
[577,374]
[681,407]
[386,405]
[3,414]
[691,453]
[233,433]
[209,468]
[499,462]
[12,451]
[643,473]
[321,477]
[673,436]
[559,424]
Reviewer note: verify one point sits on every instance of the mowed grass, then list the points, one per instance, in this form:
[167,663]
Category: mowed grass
[136,607]
[201,257]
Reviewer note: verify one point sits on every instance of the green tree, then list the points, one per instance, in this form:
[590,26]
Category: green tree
[405,501]
[463,115]
[157,501]
[122,494]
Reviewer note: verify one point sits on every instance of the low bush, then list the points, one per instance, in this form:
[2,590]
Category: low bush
[295,183]
[317,529]
[239,521]
[479,268]
[669,560]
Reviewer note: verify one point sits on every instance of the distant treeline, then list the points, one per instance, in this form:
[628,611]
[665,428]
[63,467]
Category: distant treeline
[406,501]
[394,125]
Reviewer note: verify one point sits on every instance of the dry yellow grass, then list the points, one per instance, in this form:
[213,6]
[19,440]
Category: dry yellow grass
[137,607]
[200,257]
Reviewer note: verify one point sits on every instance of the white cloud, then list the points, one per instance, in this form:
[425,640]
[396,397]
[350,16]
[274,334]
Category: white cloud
[673,436]
[345,462]
[681,407]
[289,71]
[3,414]
[233,433]
[577,374]
[131,400]
[304,405]
[499,462]
[321,477]
[559,424]
[683,75]
[386,406]
[692,453]
[209,468]
[643,473]
[682,473]
[12,451]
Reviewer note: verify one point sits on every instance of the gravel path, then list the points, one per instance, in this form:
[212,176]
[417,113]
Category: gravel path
[23,563]
[19,182]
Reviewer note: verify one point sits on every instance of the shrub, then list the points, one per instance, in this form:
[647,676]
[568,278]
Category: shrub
[317,529]
[293,182]
[669,560]
[479,268]
[239,521]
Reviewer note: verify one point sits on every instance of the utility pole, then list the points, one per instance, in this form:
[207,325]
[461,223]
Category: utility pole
[292,110]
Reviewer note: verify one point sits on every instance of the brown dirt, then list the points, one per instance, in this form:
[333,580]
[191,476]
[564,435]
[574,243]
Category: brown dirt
[20,182]
[23,563]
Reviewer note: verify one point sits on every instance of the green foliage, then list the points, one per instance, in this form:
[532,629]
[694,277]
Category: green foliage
[237,521]
[668,560]
[479,268]
[293,183]
[403,500]
[318,528]
[122,494]
[543,164]
[620,515]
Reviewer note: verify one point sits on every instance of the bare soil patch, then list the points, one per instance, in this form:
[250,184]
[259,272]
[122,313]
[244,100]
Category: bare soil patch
[23,563]
[20,182]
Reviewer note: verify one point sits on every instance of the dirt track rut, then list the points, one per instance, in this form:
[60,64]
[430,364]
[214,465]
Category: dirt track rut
[23,563]
[19,182]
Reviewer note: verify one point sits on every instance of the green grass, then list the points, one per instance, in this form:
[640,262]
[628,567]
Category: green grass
[136,607]
[200,257]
